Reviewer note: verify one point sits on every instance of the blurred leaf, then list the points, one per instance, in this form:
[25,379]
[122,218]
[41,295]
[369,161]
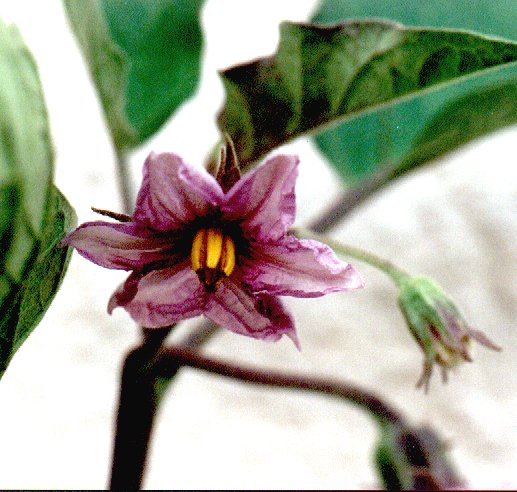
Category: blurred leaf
[108,66]
[321,75]
[28,263]
[492,17]
[394,136]
[144,57]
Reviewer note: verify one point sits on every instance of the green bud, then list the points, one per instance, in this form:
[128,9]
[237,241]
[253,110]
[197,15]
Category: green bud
[437,325]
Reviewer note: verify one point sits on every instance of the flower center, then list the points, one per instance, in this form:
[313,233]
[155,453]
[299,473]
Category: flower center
[212,256]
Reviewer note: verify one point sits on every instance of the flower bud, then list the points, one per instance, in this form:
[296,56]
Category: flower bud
[414,459]
[437,326]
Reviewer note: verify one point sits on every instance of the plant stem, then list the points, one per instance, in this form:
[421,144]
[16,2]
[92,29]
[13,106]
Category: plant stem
[137,406]
[124,182]
[393,271]
[169,358]
[347,202]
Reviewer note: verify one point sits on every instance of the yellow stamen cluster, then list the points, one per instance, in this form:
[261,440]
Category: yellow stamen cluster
[212,255]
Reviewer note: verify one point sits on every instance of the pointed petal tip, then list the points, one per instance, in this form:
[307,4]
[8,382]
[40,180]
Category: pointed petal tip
[293,335]
[112,304]
[356,279]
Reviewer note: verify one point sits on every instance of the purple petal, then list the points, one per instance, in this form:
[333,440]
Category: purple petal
[161,297]
[174,193]
[124,246]
[265,199]
[298,268]
[235,309]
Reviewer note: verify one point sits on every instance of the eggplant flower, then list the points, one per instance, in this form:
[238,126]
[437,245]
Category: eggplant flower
[196,249]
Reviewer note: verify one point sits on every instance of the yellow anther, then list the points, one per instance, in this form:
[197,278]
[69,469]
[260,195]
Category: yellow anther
[198,253]
[214,247]
[212,255]
[228,258]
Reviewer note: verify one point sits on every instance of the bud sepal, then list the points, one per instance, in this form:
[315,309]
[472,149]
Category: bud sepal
[437,326]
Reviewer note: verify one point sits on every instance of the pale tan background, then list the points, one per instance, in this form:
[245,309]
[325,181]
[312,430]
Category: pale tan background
[455,221]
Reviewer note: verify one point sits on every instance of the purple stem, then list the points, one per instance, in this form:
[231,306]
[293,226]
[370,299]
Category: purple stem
[136,409]
[170,358]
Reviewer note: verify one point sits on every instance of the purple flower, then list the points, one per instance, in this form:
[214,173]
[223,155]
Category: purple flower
[194,249]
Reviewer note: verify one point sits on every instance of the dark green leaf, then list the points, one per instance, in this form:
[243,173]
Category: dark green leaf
[321,75]
[144,57]
[30,214]
[393,137]
[32,297]
[388,139]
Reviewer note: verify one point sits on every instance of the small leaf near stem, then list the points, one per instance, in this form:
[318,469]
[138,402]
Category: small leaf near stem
[394,272]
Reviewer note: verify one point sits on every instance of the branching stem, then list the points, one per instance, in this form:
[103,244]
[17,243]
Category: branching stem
[171,357]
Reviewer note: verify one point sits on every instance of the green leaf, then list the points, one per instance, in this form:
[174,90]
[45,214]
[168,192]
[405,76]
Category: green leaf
[108,66]
[144,57]
[29,300]
[493,17]
[460,121]
[28,207]
[395,137]
[322,75]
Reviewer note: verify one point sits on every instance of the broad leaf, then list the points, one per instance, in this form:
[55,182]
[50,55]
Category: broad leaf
[144,58]
[28,211]
[395,137]
[470,116]
[323,75]
[388,139]
[494,17]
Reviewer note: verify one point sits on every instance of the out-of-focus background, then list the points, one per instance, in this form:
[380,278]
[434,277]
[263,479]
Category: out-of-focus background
[455,221]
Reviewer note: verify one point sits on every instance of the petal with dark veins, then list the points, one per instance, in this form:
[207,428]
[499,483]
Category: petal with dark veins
[162,297]
[264,200]
[298,268]
[174,193]
[125,246]
[238,311]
